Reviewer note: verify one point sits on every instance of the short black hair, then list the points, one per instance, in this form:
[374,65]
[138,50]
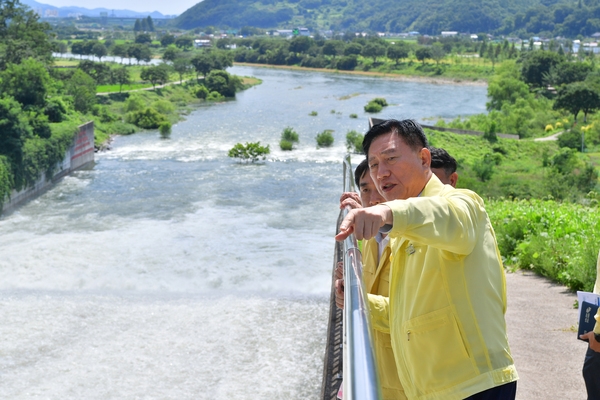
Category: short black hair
[360,170]
[441,159]
[409,130]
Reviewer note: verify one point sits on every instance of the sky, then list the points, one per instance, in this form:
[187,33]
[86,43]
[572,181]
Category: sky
[170,7]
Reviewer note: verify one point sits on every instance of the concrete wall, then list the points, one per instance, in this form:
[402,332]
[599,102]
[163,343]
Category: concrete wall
[78,155]
[466,132]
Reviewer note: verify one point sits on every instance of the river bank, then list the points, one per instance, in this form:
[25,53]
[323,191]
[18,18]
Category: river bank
[375,74]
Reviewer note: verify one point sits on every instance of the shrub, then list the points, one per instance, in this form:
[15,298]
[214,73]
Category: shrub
[121,128]
[103,113]
[202,92]
[353,116]
[324,139]
[215,96]
[373,107]
[549,128]
[484,168]
[354,142]
[381,101]
[249,152]
[134,103]
[163,106]
[313,113]
[146,119]
[571,139]
[286,145]
[290,135]
[165,129]
[55,109]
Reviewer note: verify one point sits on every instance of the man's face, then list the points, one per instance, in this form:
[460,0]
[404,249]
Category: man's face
[369,195]
[398,171]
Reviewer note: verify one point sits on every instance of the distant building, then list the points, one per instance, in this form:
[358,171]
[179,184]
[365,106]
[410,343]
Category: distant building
[303,32]
[51,13]
[474,37]
[202,43]
[449,33]
[283,32]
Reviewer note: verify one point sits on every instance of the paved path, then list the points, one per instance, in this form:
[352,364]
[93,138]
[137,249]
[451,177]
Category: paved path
[547,138]
[541,322]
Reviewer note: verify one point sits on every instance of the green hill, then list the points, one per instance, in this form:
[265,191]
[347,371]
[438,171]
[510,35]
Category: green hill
[424,16]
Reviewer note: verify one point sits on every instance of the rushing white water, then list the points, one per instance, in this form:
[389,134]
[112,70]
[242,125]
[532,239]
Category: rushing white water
[169,271]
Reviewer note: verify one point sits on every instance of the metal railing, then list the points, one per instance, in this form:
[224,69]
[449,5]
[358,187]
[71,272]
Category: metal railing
[360,369]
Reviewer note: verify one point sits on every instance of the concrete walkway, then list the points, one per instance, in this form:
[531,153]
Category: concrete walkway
[542,334]
[548,138]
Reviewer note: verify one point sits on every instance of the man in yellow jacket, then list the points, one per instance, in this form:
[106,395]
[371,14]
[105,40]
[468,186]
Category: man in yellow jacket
[447,300]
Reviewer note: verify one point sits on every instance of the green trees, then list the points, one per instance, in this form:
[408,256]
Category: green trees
[536,64]
[143,38]
[578,96]
[222,82]
[505,87]
[28,82]
[171,53]
[249,152]
[423,53]
[184,42]
[167,40]
[300,44]
[14,129]
[101,72]
[397,51]
[22,36]
[99,50]
[437,52]
[82,88]
[333,48]
[373,50]
[120,50]
[183,67]
[122,77]
[158,74]
[140,52]
[203,64]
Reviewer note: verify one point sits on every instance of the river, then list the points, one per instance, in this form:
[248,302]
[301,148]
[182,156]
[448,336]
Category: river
[169,271]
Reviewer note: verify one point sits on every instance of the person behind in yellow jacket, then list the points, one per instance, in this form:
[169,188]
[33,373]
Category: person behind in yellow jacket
[447,301]
[591,365]
[375,274]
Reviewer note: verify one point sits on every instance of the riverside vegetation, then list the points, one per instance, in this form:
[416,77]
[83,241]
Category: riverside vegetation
[41,106]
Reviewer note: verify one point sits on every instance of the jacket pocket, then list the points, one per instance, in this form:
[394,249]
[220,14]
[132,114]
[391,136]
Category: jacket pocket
[435,352]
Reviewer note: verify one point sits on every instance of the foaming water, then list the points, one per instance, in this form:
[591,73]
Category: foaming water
[168,270]
[102,346]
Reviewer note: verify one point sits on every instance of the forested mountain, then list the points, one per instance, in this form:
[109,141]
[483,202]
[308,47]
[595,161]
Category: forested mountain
[551,17]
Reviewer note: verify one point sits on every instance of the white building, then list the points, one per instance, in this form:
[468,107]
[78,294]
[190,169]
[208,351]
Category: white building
[202,43]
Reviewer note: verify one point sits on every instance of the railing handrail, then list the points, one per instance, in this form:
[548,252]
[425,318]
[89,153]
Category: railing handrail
[360,368]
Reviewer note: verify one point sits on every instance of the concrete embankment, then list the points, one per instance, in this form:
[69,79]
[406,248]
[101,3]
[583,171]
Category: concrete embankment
[80,154]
